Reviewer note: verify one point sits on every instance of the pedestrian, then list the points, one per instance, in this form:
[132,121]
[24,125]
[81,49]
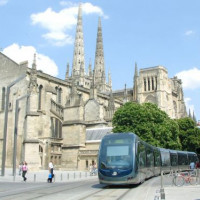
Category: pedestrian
[197,165]
[24,170]
[51,168]
[94,169]
[90,169]
[20,168]
[49,180]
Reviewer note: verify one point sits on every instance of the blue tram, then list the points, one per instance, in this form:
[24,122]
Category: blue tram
[125,159]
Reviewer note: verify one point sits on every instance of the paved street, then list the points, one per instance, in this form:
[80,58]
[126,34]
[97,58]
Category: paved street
[81,186]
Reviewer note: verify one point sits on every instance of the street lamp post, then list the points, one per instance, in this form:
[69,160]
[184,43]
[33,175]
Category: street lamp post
[15,132]
[6,123]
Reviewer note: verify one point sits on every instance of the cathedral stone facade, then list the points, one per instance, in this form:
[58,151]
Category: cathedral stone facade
[64,120]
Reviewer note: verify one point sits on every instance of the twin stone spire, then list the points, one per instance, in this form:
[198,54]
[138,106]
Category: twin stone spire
[78,67]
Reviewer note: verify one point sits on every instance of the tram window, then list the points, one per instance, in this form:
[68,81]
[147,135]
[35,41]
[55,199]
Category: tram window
[117,150]
[182,159]
[157,158]
[141,155]
[150,159]
[192,158]
[174,160]
[165,158]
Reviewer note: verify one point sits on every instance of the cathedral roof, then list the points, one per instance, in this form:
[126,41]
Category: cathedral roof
[97,134]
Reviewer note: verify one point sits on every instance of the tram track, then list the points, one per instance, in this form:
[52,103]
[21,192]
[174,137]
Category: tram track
[79,190]
[109,192]
[52,189]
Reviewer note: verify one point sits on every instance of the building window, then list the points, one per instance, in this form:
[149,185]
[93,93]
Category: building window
[145,85]
[152,79]
[59,95]
[86,164]
[40,97]
[40,149]
[56,128]
[156,82]
[148,84]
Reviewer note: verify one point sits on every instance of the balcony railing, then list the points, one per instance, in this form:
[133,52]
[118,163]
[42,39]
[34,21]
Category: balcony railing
[57,109]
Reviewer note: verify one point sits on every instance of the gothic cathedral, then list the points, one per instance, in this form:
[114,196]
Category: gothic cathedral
[64,120]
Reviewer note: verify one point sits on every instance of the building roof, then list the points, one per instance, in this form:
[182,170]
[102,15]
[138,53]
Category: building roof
[97,133]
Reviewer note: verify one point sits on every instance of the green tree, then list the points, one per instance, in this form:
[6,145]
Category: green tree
[149,122]
[189,134]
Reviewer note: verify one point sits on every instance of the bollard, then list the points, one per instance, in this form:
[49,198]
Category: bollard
[34,177]
[61,177]
[67,176]
[54,178]
[162,191]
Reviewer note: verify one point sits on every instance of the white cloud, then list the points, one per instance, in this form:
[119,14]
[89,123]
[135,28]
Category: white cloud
[59,23]
[23,53]
[190,78]
[3,2]
[189,32]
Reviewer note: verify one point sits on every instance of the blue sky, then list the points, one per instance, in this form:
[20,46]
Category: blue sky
[151,33]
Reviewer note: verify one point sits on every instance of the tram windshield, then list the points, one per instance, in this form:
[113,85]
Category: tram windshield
[116,153]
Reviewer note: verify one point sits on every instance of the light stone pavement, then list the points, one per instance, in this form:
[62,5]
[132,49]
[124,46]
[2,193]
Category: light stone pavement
[186,192]
[42,175]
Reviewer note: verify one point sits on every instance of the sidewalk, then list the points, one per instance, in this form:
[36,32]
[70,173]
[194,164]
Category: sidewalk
[189,192]
[172,192]
[42,175]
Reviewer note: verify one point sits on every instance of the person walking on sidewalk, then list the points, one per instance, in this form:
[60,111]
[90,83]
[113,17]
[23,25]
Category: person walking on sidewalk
[51,168]
[24,170]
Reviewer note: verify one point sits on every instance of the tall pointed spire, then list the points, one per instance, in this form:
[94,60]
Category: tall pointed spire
[135,86]
[125,95]
[34,62]
[67,72]
[78,59]
[109,79]
[90,69]
[99,57]
[33,76]
[194,117]
[93,91]
[190,116]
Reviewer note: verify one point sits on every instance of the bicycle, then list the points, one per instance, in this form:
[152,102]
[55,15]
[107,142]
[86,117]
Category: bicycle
[185,177]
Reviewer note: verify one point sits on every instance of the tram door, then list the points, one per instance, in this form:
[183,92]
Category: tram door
[141,161]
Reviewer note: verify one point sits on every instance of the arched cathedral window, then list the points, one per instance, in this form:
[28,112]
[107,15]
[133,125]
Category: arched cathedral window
[152,79]
[145,84]
[56,128]
[58,95]
[40,97]
[156,82]
[148,84]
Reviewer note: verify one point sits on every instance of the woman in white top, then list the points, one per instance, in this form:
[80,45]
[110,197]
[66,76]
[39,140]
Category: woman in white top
[51,167]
